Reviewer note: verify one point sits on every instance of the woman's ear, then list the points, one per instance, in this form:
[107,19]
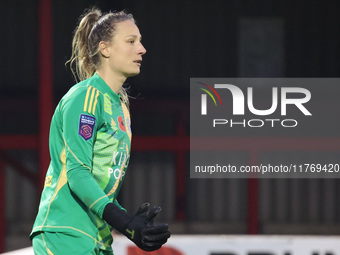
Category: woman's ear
[104,49]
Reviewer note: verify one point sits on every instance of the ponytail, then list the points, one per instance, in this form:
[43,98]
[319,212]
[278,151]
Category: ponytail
[80,62]
[92,29]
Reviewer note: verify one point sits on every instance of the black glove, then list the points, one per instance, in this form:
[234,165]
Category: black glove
[140,228]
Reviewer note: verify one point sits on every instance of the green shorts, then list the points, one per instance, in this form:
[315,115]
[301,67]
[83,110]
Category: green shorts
[54,243]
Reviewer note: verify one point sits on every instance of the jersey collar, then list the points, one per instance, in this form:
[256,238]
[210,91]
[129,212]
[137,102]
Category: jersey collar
[105,88]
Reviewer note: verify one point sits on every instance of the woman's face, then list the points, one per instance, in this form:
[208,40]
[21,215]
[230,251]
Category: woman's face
[126,50]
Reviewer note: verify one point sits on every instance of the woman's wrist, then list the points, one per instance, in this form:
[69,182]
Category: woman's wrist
[116,217]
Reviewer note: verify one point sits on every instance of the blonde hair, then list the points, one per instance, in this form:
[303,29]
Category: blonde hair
[93,28]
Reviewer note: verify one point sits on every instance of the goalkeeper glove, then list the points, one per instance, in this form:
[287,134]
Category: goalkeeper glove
[139,228]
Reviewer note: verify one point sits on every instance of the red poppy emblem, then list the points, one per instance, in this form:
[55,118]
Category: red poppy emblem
[121,123]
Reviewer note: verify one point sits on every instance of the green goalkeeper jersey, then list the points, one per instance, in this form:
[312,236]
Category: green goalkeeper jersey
[90,140]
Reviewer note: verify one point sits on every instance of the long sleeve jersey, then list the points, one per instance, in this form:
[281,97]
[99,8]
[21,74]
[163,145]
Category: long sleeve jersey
[90,140]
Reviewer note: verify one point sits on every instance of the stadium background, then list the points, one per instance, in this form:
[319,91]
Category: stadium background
[234,38]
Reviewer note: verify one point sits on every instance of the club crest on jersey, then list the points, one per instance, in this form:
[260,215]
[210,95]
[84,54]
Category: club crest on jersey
[121,123]
[86,126]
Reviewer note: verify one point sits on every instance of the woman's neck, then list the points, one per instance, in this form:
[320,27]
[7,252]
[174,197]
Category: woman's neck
[114,81]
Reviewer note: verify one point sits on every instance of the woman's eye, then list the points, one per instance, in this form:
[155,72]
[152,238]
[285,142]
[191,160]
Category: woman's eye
[131,41]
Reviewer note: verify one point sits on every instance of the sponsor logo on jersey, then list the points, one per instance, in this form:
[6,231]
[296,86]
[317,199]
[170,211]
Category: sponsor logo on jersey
[48,181]
[86,126]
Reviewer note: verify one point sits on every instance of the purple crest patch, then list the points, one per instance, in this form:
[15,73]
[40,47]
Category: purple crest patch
[86,126]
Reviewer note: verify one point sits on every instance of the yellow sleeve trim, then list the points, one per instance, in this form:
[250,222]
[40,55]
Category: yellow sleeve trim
[90,102]
[74,155]
[87,97]
[95,102]
[97,201]
[47,249]
[62,180]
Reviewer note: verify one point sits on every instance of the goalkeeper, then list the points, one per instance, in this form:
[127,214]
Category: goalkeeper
[90,139]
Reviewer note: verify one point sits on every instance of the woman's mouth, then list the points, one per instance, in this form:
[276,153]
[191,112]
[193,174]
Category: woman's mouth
[138,62]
